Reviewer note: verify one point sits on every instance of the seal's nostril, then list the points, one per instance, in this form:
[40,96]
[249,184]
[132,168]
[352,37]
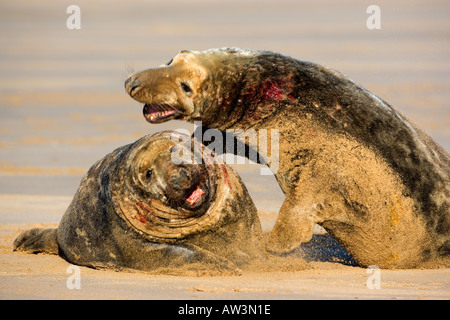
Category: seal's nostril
[180,179]
[132,85]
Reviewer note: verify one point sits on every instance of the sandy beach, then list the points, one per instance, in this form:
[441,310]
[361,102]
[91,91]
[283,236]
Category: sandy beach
[63,106]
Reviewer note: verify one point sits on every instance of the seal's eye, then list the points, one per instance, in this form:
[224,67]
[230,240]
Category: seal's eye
[186,88]
[170,62]
[148,174]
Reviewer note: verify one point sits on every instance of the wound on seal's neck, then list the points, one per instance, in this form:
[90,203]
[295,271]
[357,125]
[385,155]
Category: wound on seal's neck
[255,90]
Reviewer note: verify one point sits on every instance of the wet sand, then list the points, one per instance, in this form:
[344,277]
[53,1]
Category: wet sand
[63,106]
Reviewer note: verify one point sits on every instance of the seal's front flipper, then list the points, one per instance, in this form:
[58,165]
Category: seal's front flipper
[203,262]
[222,142]
[294,226]
[37,240]
[187,260]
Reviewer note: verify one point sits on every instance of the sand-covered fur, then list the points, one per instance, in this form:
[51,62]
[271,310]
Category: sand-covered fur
[136,209]
[347,159]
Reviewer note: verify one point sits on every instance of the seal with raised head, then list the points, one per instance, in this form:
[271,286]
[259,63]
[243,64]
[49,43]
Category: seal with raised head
[138,209]
[347,159]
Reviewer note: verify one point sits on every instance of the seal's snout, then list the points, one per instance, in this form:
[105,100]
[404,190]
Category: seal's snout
[181,179]
[132,85]
[186,186]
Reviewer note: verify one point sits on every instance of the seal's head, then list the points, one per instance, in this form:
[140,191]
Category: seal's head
[191,86]
[162,198]
[147,206]
[183,187]
[157,188]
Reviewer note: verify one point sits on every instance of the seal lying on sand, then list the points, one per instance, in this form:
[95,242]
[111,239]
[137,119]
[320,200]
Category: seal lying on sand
[347,160]
[136,209]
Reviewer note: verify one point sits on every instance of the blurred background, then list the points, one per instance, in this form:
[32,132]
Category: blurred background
[62,99]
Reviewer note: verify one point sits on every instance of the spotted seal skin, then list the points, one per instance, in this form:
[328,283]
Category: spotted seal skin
[136,209]
[347,159]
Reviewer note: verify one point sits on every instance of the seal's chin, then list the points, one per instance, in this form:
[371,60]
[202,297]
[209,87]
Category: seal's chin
[157,113]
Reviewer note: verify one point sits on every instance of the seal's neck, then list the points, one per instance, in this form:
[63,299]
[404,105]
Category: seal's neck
[250,89]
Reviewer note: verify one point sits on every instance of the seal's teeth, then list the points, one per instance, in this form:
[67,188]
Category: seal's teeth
[157,112]
[161,114]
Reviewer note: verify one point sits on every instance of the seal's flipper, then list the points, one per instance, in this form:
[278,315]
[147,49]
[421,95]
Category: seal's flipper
[186,259]
[37,240]
[228,142]
[294,226]
[212,262]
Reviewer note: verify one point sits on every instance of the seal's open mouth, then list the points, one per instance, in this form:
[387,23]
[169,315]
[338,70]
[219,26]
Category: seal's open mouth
[189,189]
[156,113]
[196,196]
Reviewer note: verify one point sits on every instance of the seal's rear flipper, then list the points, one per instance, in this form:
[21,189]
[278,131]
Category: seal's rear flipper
[37,240]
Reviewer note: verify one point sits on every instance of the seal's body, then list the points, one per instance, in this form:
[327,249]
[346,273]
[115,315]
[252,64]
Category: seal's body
[136,209]
[347,160]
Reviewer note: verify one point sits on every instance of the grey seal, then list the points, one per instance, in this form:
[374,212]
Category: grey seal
[138,209]
[348,160]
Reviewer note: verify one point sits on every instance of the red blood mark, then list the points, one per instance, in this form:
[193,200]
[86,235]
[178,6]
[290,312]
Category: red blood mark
[142,219]
[277,90]
[226,177]
[140,206]
[272,91]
